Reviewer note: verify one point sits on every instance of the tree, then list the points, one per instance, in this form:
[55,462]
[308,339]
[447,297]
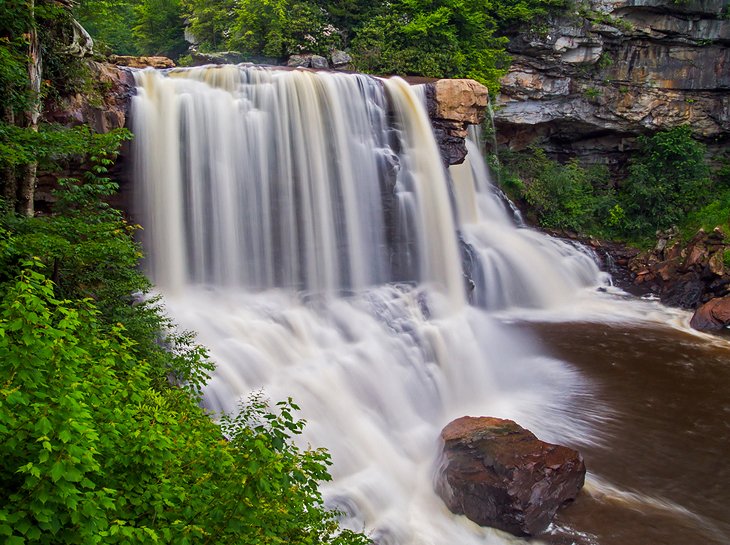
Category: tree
[159,27]
[111,24]
[446,38]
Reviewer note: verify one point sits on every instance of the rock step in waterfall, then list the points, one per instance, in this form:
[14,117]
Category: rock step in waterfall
[305,226]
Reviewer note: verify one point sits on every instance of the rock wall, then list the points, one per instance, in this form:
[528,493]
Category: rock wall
[586,85]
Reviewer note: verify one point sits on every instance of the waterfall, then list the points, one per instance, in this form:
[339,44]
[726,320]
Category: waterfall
[513,267]
[302,223]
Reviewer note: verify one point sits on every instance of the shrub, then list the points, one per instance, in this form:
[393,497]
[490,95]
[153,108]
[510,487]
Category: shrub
[668,178]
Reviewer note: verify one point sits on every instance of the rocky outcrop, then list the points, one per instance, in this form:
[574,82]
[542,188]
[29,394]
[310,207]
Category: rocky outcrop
[219,57]
[453,105]
[141,62]
[712,316]
[588,84]
[339,60]
[104,111]
[499,474]
[685,275]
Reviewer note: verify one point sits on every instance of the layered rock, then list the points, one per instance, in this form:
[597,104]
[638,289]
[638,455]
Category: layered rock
[499,474]
[588,84]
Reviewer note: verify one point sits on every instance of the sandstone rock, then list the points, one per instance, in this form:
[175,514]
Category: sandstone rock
[712,316]
[453,104]
[110,113]
[462,100]
[499,474]
[141,62]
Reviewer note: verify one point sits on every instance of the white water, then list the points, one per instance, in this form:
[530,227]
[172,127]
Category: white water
[302,224]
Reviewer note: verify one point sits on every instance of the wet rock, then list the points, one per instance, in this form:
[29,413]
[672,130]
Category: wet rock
[712,316]
[141,62]
[101,113]
[499,474]
[684,274]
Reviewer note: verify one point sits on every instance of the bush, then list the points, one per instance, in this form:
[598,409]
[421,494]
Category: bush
[93,451]
[668,178]
[568,196]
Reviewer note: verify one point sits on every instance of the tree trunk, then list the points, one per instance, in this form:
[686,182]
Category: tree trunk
[32,115]
[9,174]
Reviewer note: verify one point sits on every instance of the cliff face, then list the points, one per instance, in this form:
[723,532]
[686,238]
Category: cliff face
[587,84]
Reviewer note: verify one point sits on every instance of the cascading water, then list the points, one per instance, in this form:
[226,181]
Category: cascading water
[302,224]
[513,267]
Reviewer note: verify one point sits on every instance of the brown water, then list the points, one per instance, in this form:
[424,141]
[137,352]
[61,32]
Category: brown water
[660,474]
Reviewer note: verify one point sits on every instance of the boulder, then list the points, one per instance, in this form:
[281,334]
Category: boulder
[319,62]
[341,60]
[460,100]
[499,474]
[299,61]
[712,316]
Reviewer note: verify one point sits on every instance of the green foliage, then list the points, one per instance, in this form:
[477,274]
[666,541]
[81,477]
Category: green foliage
[209,21]
[567,196]
[158,27]
[669,183]
[99,443]
[448,38]
[94,452]
[278,28]
[110,23]
[668,178]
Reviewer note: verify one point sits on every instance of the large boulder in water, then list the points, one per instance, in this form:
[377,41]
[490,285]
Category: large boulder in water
[499,474]
[713,315]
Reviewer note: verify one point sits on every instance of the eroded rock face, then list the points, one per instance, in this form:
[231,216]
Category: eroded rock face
[453,105]
[712,316]
[104,113]
[499,474]
[588,86]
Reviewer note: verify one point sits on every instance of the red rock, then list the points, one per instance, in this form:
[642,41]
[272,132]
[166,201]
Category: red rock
[713,315]
[499,474]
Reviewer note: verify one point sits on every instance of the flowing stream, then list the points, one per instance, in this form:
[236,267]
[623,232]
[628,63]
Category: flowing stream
[303,224]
